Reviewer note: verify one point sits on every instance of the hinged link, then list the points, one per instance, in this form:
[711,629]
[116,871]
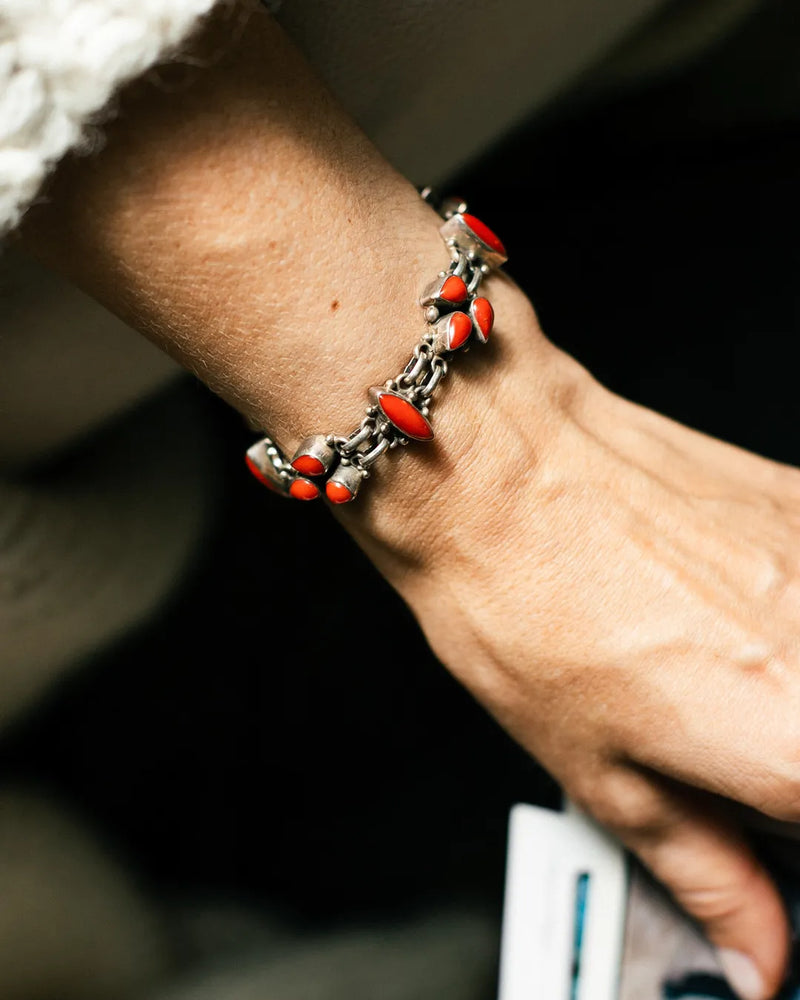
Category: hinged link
[437,373]
[366,459]
[363,433]
[417,365]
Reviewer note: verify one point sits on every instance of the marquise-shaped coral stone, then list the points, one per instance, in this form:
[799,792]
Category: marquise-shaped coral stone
[337,493]
[459,327]
[484,233]
[308,465]
[454,289]
[251,465]
[405,417]
[483,314]
[302,489]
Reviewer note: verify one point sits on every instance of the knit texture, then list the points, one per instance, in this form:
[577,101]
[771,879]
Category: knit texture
[60,62]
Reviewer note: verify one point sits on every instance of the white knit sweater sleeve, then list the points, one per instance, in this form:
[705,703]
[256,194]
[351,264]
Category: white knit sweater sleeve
[60,62]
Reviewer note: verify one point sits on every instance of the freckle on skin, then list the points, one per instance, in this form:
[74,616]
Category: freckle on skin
[334,305]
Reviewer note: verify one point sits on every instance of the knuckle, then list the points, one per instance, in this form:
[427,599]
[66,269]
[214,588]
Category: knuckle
[625,804]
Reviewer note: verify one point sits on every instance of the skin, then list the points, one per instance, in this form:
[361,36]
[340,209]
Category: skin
[619,591]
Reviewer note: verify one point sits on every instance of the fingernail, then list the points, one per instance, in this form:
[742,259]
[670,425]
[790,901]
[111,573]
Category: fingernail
[742,974]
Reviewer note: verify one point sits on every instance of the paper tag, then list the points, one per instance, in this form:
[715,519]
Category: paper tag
[564,914]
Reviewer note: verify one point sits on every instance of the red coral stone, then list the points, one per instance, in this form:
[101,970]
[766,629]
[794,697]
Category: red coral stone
[483,314]
[454,289]
[459,327]
[251,465]
[405,417]
[302,489]
[337,493]
[484,233]
[308,465]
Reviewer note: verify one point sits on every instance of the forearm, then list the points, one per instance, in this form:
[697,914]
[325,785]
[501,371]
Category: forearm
[224,217]
[245,224]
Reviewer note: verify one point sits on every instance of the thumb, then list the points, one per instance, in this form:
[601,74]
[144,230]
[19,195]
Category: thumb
[711,871]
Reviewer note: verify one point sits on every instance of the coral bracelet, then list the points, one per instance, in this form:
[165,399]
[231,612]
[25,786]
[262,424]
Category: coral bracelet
[399,410]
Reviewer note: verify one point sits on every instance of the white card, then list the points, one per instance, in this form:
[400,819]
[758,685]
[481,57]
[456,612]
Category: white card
[564,914]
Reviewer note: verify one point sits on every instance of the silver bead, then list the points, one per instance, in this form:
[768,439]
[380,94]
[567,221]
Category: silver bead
[452,206]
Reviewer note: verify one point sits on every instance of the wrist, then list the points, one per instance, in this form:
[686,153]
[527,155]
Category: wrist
[499,415]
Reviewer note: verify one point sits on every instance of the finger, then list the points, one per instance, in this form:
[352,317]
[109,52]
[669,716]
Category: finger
[713,875]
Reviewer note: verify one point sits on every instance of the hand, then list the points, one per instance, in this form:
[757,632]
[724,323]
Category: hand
[622,593]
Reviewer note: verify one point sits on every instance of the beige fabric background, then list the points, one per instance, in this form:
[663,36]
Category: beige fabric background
[435,84]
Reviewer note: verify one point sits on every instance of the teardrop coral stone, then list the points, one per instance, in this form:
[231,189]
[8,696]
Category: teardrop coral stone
[308,465]
[459,327]
[483,314]
[302,489]
[337,493]
[405,417]
[484,233]
[454,289]
[251,465]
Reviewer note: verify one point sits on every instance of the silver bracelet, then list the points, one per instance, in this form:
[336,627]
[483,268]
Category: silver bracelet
[399,410]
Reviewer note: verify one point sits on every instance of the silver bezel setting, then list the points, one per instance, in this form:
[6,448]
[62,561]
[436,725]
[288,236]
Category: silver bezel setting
[378,393]
[267,458]
[440,330]
[349,476]
[476,325]
[316,446]
[457,234]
